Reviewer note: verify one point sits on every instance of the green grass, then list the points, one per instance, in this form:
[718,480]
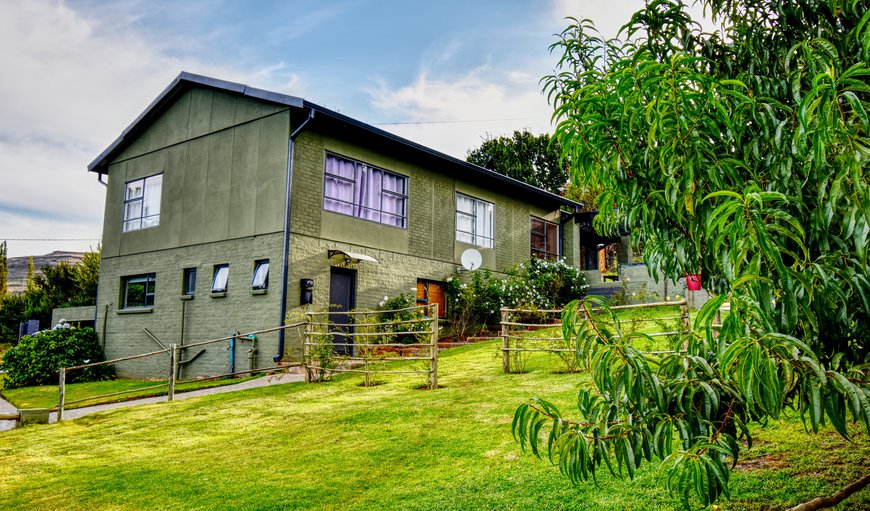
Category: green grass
[45,396]
[340,446]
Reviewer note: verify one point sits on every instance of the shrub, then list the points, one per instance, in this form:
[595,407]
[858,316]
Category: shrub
[399,310]
[37,359]
[473,303]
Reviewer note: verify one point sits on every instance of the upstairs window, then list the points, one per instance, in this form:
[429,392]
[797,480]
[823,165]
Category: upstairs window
[138,291]
[261,275]
[474,221]
[356,189]
[545,239]
[142,203]
[221,276]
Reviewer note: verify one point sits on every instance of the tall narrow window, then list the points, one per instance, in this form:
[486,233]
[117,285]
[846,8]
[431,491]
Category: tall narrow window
[544,239]
[357,189]
[221,276]
[138,291]
[261,275]
[188,285]
[474,221]
[142,203]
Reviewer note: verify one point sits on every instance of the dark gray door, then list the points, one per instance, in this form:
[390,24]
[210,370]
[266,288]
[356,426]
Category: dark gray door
[342,297]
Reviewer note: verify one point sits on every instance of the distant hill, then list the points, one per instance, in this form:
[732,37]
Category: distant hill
[18,266]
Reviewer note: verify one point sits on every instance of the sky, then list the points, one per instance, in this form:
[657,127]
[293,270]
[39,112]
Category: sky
[442,73]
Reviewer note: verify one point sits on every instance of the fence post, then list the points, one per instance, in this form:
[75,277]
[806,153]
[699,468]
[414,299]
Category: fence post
[684,313]
[433,369]
[61,391]
[306,349]
[173,367]
[505,353]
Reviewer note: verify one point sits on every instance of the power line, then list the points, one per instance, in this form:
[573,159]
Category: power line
[453,122]
[49,239]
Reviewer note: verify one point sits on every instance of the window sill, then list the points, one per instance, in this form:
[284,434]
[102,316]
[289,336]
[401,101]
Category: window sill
[219,294]
[259,291]
[135,310]
[187,297]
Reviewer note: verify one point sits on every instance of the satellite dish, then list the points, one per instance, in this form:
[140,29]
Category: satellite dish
[471,259]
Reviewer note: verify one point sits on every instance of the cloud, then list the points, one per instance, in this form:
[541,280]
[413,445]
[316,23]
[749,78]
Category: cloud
[453,114]
[72,82]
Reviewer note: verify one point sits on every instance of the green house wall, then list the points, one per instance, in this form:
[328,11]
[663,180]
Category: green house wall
[224,161]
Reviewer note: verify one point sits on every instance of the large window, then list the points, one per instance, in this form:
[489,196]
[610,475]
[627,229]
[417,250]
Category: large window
[545,239]
[474,221]
[356,189]
[142,203]
[137,291]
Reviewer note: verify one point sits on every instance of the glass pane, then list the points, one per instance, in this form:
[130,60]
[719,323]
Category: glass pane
[135,293]
[133,210]
[134,189]
[189,281]
[261,275]
[552,240]
[464,204]
[484,224]
[340,166]
[153,186]
[464,225]
[219,283]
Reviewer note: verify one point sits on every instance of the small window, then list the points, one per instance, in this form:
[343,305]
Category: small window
[142,203]
[138,291]
[474,221]
[261,275]
[221,275]
[544,239]
[189,283]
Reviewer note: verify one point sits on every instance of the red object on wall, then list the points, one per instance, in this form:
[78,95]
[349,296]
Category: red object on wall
[693,282]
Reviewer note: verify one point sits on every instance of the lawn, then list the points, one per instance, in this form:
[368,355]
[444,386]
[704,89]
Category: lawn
[340,446]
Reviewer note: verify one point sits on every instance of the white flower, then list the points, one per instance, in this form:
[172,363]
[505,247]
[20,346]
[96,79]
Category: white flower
[463,286]
[449,279]
[386,298]
[634,294]
[381,304]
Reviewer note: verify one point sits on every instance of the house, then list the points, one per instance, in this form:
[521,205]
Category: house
[215,182]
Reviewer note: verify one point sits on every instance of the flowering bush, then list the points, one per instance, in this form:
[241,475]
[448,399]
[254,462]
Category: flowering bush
[406,320]
[473,303]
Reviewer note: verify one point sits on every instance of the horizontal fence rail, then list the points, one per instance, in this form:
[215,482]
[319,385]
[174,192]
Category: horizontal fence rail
[322,337]
[518,327]
[174,351]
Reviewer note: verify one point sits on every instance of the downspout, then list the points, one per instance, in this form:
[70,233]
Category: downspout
[285,267]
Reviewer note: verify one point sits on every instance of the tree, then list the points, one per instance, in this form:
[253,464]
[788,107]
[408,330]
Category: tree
[4,270]
[31,272]
[533,159]
[741,154]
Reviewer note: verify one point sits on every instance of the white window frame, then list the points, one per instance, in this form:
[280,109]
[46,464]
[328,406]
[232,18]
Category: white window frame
[479,208]
[141,208]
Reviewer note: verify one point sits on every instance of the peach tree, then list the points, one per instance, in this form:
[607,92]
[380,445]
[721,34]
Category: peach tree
[740,154]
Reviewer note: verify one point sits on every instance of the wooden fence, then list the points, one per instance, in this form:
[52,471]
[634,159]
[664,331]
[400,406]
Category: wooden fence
[175,352]
[365,342]
[518,327]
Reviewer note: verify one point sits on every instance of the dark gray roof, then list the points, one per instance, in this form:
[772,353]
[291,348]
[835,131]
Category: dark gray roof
[328,119]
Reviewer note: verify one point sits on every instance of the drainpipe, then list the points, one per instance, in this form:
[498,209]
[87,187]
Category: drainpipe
[285,267]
